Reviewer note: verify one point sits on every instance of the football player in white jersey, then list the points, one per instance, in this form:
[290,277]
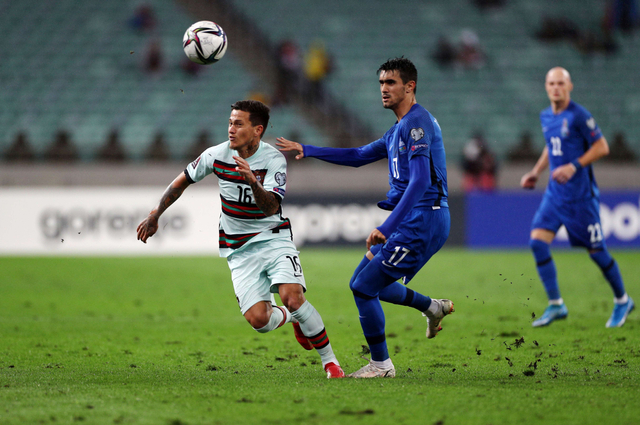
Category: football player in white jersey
[254,236]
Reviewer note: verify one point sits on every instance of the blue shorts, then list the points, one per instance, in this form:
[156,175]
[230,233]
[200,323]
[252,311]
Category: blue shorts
[582,220]
[420,235]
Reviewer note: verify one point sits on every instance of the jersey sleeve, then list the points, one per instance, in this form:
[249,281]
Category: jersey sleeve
[587,126]
[276,178]
[353,157]
[418,132]
[201,167]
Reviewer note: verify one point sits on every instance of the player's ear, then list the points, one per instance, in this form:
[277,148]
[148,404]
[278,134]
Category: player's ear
[410,87]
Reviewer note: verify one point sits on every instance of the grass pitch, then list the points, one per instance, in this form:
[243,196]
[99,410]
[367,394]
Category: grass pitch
[162,341]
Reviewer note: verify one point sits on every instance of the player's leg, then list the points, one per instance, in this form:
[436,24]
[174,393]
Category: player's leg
[264,317]
[287,278]
[252,289]
[395,293]
[587,231]
[623,304]
[539,243]
[545,224]
[366,287]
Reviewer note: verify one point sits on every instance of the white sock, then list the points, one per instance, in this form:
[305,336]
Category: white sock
[622,300]
[384,365]
[559,301]
[312,327]
[434,306]
[279,316]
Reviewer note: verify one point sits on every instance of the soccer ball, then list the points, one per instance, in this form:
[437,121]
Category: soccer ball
[205,42]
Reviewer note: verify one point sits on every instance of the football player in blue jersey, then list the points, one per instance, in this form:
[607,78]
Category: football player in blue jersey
[573,143]
[419,223]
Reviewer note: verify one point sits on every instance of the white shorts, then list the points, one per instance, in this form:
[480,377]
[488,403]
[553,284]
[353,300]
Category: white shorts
[258,269]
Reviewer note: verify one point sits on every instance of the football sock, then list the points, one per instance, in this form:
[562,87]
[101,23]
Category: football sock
[313,328]
[610,270]
[384,365]
[622,300]
[397,293]
[546,267]
[279,316]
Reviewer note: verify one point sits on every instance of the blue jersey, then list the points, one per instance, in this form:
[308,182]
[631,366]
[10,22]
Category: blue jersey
[417,133]
[569,135]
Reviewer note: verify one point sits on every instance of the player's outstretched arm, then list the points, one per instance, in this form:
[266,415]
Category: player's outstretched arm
[529,180]
[290,146]
[149,226]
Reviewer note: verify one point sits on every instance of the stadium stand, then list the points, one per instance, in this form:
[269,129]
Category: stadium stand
[502,99]
[80,66]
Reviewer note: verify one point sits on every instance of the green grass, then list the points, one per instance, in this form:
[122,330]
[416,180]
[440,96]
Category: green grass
[162,341]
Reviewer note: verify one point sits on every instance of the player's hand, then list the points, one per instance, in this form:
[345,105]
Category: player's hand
[147,228]
[242,166]
[376,237]
[529,180]
[289,146]
[563,173]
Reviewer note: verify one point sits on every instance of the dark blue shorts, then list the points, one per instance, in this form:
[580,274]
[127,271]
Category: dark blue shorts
[420,235]
[582,220]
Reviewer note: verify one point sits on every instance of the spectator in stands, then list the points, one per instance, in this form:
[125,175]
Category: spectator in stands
[488,4]
[445,53]
[622,14]
[524,150]
[289,69]
[158,151]
[62,149]
[112,150]
[318,64]
[143,19]
[619,150]
[190,67]
[201,144]
[478,165]
[470,53]
[153,57]
[556,29]
[20,150]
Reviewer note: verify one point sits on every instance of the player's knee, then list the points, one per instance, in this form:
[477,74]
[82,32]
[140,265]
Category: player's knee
[360,289]
[292,296]
[536,244]
[258,320]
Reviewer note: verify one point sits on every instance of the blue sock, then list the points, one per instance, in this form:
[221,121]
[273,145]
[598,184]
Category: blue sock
[366,286]
[546,268]
[610,270]
[397,293]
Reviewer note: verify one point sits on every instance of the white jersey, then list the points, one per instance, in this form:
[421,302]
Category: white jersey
[241,221]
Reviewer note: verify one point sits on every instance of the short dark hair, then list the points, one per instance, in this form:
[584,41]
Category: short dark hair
[405,68]
[258,112]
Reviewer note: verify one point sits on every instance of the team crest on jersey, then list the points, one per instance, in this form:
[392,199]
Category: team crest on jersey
[417,133]
[260,175]
[401,146]
[564,131]
[591,123]
[194,164]
[281,178]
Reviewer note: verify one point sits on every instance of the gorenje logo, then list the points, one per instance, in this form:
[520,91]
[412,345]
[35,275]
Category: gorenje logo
[56,223]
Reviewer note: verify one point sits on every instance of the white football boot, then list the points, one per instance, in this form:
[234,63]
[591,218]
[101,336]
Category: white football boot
[444,307]
[371,371]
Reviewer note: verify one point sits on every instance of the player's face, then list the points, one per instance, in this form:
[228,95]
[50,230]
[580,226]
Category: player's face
[241,132]
[392,89]
[558,86]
